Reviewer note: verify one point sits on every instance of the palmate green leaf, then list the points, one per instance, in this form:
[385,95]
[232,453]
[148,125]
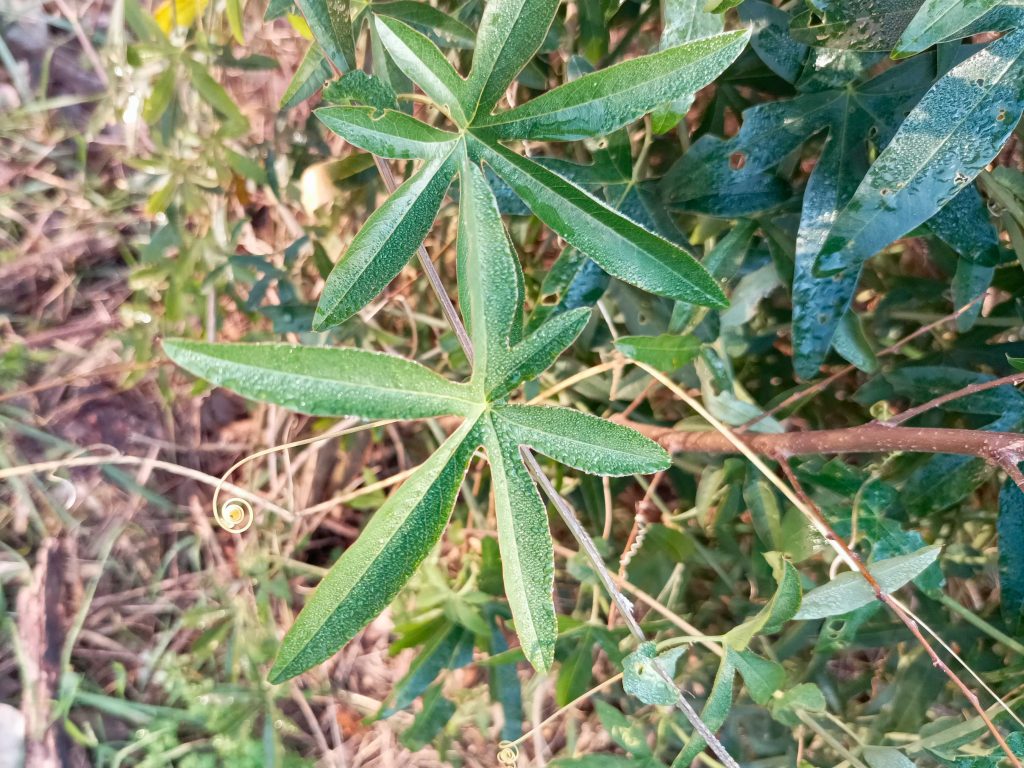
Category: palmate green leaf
[389,133]
[624,249]
[369,574]
[602,102]
[510,33]
[330,21]
[325,381]
[424,63]
[940,20]
[949,137]
[490,278]
[527,551]
[585,442]
[385,243]
[849,591]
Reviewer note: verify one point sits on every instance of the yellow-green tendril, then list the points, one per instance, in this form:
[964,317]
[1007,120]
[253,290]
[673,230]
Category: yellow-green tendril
[508,753]
[236,515]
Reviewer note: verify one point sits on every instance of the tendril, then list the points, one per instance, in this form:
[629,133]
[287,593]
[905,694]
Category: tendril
[237,515]
[508,753]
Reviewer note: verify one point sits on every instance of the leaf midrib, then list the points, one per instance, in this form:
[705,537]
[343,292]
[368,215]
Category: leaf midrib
[503,413]
[465,428]
[642,85]
[292,376]
[928,158]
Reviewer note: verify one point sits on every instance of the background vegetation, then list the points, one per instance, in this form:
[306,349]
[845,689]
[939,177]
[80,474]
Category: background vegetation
[162,174]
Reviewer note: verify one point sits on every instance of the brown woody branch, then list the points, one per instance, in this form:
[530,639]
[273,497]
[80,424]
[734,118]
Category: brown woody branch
[998,447]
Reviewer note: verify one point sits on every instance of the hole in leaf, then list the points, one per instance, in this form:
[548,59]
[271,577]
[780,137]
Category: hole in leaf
[737,160]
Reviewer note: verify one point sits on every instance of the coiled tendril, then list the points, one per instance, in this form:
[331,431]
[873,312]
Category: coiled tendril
[508,753]
[236,515]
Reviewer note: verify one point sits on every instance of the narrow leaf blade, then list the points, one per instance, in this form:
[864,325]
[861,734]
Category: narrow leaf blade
[527,551]
[510,33]
[424,63]
[950,136]
[324,381]
[537,352]
[490,278]
[849,591]
[604,101]
[368,576]
[623,248]
[384,244]
[580,440]
[330,21]
[389,133]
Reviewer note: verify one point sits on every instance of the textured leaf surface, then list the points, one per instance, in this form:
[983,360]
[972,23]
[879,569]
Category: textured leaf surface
[716,708]
[384,244]
[949,137]
[863,25]
[527,552]
[331,24]
[369,574]
[849,591]
[939,20]
[538,351]
[682,21]
[624,249]
[601,102]
[886,757]
[582,441]
[308,78]
[510,33]
[388,134]
[427,17]
[424,63]
[357,85]
[1011,555]
[324,381]
[640,676]
[667,352]
[490,278]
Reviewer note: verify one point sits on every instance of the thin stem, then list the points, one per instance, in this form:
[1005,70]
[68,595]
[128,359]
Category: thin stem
[831,740]
[795,492]
[623,604]
[432,277]
[817,387]
[910,413]
[902,614]
[969,616]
